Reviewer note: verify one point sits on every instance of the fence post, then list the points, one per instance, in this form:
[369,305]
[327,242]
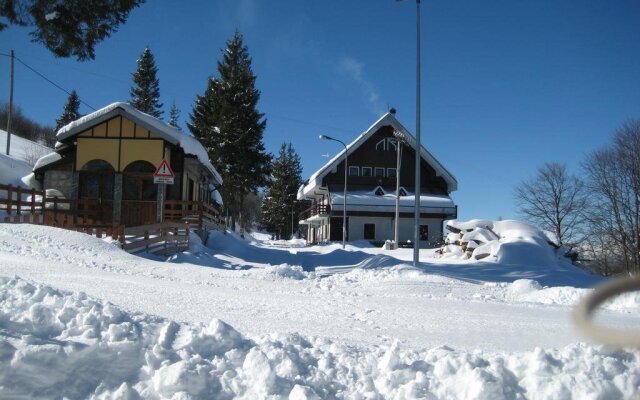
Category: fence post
[19,201]
[43,205]
[9,198]
[33,201]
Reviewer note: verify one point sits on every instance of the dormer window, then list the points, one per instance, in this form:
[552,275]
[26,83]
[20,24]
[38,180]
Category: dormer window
[391,144]
[402,192]
[379,191]
[386,144]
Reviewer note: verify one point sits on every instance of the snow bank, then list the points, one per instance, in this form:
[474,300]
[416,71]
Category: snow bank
[507,242]
[55,344]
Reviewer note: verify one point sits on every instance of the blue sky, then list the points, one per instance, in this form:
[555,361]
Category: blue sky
[507,85]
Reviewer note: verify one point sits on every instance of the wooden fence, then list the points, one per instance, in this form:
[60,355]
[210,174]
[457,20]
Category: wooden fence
[162,239]
[197,213]
[35,207]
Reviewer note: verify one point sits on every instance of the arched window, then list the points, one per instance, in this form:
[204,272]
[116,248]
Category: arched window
[96,180]
[137,181]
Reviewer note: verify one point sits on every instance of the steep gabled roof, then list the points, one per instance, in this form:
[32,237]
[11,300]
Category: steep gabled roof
[388,119]
[189,144]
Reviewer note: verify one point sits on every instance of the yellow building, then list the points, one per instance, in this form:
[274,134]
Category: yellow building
[106,161]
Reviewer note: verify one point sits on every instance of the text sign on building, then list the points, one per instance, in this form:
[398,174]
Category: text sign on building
[164,174]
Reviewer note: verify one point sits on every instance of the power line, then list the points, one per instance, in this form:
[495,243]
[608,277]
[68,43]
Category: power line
[48,80]
[299,121]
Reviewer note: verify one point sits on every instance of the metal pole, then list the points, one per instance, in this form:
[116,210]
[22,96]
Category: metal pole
[10,106]
[344,202]
[416,233]
[292,211]
[397,222]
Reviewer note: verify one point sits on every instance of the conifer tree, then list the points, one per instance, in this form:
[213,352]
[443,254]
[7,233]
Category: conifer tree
[71,111]
[145,94]
[280,207]
[68,28]
[226,121]
[174,115]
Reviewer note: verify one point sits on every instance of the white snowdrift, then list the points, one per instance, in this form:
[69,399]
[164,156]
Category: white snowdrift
[55,344]
[508,242]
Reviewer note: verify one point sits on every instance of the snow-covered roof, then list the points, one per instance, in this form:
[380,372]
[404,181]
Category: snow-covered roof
[388,119]
[46,160]
[369,201]
[189,144]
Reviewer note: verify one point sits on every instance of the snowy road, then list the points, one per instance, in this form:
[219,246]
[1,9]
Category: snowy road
[363,307]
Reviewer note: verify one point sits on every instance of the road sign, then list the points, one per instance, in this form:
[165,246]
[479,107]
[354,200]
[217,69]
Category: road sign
[164,174]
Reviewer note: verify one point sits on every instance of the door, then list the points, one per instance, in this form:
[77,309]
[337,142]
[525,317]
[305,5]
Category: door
[139,194]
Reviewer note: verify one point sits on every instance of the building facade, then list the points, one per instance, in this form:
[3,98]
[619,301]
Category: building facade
[107,160]
[371,161]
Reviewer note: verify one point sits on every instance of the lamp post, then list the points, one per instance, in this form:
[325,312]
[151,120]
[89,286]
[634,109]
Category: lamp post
[416,232]
[399,140]
[344,204]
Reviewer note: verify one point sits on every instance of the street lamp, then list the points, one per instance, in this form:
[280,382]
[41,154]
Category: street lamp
[416,232]
[399,140]
[344,204]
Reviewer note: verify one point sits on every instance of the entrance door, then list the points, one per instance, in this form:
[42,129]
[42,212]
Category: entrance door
[95,203]
[139,194]
[335,230]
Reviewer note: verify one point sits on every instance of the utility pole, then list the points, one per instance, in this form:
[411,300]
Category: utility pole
[10,106]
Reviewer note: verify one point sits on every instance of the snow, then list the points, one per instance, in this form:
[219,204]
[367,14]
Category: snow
[62,344]
[189,144]
[14,168]
[368,200]
[46,160]
[314,181]
[255,318]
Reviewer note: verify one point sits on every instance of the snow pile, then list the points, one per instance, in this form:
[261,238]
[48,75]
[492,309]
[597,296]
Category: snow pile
[507,242]
[283,271]
[15,169]
[56,344]
[530,291]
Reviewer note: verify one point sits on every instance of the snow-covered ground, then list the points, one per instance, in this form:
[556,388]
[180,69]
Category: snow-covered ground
[257,318]
[18,164]
[79,317]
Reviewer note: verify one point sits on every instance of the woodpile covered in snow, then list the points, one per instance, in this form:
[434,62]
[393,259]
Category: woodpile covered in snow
[494,240]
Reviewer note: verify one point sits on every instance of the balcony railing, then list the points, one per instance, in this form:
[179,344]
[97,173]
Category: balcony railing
[316,209]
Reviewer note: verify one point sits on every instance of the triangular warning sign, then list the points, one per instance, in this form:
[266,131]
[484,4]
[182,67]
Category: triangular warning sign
[164,171]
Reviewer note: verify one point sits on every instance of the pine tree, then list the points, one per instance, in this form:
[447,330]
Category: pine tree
[71,111]
[280,207]
[68,28]
[227,123]
[145,95]
[174,115]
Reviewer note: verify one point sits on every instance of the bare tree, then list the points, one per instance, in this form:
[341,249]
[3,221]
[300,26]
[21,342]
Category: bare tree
[553,200]
[614,181]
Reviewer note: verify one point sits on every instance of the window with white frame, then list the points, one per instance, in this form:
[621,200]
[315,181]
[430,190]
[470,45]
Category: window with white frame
[391,144]
[379,172]
[354,171]
[381,145]
[391,172]
[367,171]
